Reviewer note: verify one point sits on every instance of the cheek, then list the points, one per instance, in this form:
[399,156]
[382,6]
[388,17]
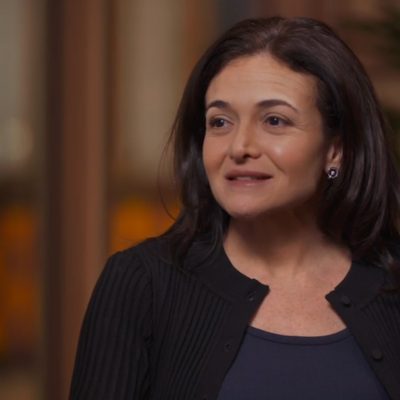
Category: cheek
[212,155]
[300,159]
[208,158]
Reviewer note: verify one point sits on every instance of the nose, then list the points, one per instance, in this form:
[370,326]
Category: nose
[244,144]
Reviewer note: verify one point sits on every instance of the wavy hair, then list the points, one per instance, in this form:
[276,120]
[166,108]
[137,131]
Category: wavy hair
[361,206]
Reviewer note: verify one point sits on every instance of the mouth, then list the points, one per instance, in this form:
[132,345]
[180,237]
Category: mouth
[247,176]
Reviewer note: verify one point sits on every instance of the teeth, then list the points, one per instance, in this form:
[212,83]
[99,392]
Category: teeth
[246,178]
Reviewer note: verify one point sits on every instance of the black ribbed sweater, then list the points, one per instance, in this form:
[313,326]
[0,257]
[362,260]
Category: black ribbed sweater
[153,331]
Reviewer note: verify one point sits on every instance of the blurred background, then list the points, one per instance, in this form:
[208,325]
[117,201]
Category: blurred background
[88,93]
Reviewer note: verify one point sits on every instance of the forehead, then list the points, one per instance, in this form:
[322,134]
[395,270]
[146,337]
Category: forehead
[259,77]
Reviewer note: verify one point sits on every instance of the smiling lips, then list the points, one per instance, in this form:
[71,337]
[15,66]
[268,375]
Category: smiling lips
[247,176]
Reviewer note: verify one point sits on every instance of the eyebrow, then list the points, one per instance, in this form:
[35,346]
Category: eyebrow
[262,104]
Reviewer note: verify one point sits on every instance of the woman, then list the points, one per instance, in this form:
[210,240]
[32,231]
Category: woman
[279,278]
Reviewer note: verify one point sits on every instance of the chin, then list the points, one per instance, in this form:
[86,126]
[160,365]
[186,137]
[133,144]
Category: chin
[251,214]
[246,214]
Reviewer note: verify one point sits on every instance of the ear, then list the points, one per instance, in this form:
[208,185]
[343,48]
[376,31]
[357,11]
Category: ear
[334,153]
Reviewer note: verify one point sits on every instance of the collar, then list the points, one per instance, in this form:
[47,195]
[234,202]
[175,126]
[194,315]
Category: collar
[211,265]
[360,285]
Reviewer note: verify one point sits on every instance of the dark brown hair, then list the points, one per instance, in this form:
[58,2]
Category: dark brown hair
[361,207]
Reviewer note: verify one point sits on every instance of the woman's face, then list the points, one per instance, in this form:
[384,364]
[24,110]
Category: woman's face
[264,149]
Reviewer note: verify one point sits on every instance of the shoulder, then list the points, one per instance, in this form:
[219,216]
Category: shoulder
[155,255]
[117,328]
[125,288]
[136,269]
[140,258]
[151,264]
[127,275]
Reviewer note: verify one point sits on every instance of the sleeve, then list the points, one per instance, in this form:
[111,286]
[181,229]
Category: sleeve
[112,360]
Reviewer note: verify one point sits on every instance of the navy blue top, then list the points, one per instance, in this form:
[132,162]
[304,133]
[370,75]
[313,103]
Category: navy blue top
[271,366]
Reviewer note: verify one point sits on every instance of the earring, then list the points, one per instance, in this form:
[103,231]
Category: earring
[332,173]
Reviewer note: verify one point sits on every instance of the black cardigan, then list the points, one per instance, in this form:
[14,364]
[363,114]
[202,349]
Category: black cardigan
[153,331]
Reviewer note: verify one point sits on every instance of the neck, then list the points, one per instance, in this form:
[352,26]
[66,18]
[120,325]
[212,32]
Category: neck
[290,244]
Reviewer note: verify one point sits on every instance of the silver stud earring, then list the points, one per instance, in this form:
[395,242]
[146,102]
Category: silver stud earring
[333,173]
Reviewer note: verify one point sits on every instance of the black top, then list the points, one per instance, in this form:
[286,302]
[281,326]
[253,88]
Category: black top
[153,331]
[278,367]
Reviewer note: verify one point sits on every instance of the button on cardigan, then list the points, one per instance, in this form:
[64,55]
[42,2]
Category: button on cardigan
[154,331]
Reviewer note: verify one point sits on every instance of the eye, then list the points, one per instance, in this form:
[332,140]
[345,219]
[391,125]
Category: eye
[217,122]
[275,121]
